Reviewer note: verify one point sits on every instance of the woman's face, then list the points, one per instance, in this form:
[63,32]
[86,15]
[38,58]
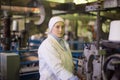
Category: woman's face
[58,29]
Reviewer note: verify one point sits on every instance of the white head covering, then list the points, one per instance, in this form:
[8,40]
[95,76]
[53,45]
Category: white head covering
[54,20]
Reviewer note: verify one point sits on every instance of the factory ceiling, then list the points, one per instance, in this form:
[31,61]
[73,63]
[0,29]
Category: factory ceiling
[108,10]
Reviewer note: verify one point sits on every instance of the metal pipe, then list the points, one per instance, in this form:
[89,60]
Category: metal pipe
[19,8]
[98,29]
[6,33]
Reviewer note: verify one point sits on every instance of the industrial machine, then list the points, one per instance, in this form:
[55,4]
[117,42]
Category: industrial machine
[18,62]
[111,65]
[94,61]
[104,63]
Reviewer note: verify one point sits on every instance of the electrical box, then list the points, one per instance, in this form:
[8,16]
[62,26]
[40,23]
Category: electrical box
[111,3]
[9,66]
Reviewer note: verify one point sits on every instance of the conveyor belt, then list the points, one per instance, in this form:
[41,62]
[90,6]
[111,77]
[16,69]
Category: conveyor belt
[30,76]
[29,73]
[29,69]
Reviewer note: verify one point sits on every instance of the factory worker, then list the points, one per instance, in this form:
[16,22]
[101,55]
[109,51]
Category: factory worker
[55,59]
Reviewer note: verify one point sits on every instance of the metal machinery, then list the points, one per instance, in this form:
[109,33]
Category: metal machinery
[12,63]
[17,63]
[111,67]
[92,59]
[103,62]
[92,62]
[102,57]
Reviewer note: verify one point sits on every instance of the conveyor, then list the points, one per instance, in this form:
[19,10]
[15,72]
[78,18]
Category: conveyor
[29,72]
[29,69]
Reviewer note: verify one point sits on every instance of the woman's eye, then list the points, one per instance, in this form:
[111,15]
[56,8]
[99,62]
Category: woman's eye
[57,26]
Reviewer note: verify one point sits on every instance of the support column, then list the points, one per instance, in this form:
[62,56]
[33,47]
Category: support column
[6,33]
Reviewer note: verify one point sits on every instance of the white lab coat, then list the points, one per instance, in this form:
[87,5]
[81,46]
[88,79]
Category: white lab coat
[55,63]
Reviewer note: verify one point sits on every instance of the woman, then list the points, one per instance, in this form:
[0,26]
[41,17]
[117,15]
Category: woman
[55,59]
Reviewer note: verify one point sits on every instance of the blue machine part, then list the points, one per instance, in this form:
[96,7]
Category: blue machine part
[30,76]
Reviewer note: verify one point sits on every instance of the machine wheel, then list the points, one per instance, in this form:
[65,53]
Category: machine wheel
[111,67]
